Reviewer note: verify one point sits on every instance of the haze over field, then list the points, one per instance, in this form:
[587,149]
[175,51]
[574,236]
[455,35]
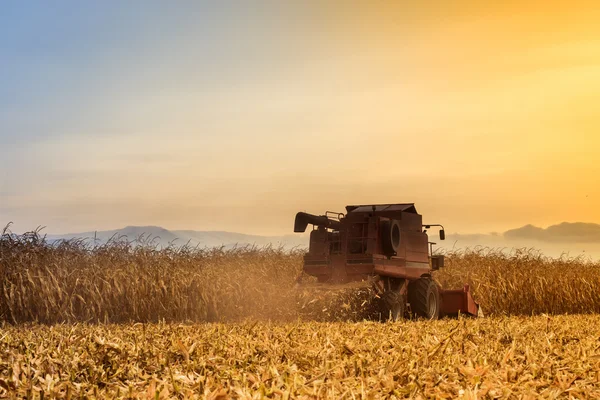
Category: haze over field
[564,239]
[231,116]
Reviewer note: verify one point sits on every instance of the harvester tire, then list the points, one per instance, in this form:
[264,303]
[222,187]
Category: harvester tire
[424,298]
[393,305]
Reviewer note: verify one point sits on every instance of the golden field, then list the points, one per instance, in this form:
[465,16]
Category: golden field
[498,357]
[124,320]
[123,282]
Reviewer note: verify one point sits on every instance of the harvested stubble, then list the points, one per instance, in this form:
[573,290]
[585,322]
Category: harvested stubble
[499,357]
[136,282]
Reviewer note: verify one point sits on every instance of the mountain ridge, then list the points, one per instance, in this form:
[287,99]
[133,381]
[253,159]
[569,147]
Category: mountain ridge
[164,237]
[565,235]
[564,232]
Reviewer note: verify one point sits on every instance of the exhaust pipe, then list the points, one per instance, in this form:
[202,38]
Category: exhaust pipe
[303,219]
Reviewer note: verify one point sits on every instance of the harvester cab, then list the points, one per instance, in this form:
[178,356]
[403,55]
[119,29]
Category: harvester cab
[386,247]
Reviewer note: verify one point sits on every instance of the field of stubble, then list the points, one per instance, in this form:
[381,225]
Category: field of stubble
[498,357]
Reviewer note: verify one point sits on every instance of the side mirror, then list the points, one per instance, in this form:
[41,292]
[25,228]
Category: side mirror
[442,234]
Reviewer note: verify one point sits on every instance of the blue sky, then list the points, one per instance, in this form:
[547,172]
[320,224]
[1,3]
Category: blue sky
[66,62]
[98,98]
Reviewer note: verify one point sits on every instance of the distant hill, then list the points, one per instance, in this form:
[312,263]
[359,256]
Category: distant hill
[578,232]
[163,237]
[571,238]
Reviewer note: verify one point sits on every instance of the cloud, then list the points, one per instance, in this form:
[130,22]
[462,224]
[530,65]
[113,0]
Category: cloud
[565,232]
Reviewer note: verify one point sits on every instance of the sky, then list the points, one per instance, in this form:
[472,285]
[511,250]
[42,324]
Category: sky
[235,115]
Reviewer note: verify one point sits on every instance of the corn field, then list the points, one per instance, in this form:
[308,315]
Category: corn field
[135,282]
[129,320]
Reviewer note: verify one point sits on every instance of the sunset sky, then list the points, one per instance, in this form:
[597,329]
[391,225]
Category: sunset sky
[226,116]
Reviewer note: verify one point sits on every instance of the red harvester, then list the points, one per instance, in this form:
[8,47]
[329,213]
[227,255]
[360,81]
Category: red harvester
[384,246]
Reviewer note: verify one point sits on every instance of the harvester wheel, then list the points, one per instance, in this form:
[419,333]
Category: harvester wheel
[393,305]
[424,298]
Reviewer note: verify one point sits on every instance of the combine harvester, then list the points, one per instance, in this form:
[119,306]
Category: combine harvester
[384,247]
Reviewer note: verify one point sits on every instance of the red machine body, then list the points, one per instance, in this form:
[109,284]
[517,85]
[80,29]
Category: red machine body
[385,245]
